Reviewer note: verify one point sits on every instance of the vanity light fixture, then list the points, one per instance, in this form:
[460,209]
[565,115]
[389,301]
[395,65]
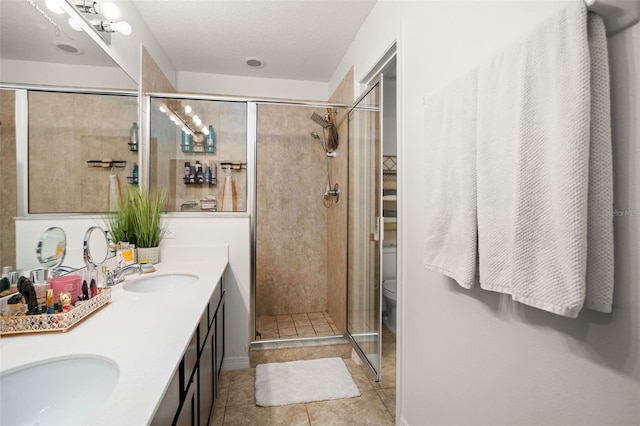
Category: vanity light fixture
[121,27]
[96,19]
[181,117]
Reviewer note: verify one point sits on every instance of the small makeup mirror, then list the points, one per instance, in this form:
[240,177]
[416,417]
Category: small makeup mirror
[95,248]
[52,247]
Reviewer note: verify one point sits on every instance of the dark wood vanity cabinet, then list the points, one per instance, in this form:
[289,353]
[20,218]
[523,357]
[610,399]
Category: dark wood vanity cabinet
[189,398]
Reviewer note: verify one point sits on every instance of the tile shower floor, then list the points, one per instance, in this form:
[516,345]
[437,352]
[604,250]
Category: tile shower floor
[295,325]
[235,403]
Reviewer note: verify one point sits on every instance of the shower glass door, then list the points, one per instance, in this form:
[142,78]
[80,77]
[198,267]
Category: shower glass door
[364,244]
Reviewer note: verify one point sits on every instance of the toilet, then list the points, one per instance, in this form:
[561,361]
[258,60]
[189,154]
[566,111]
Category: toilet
[389,287]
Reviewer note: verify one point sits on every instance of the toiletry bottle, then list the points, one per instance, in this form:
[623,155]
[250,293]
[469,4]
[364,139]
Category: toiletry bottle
[207,175]
[199,178]
[187,171]
[186,141]
[133,137]
[210,140]
[134,174]
[214,173]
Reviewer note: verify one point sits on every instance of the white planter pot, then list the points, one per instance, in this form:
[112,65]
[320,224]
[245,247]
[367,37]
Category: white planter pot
[150,255]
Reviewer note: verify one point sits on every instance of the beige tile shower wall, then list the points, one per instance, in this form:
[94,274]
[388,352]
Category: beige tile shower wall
[65,131]
[291,258]
[8,196]
[337,214]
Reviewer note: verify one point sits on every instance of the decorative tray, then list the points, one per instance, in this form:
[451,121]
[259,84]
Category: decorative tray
[22,324]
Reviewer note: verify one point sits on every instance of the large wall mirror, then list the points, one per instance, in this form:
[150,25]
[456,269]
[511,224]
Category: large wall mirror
[94,158]
[198,154]
[39,49]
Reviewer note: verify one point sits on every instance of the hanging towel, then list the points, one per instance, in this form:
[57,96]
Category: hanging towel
[114,192]
[228,194]
[543,141]
[600,266]
[450,168]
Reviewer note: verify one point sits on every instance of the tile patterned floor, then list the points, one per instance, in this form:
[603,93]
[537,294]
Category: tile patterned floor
[235,404]
[296,325]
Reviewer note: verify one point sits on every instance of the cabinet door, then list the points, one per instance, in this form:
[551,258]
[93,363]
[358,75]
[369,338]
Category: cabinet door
[206,380]
[218,326]
[190,360]
[187,414]
[168,408]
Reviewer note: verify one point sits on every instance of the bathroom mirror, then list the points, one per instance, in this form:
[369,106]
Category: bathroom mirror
[95,248]
[52,247]
[193,172]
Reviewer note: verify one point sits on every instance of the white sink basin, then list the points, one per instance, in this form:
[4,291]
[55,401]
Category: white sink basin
[56,391]
[157,283]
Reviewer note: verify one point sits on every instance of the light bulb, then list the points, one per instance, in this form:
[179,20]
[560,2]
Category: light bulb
[188,109]
[54,6]
[74,25]
[161,108]
[196,119]
[122,27]
[110,10]
[205,130]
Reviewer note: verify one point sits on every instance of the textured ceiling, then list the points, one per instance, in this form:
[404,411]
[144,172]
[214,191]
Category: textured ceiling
[298,39]
[301,39]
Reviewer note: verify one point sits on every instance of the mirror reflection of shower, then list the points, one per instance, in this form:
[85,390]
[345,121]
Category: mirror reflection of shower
[329,143]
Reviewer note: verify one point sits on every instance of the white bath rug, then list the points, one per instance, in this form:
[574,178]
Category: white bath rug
[295,382]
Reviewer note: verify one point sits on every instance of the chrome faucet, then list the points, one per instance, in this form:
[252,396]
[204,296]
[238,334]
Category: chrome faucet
[117,276]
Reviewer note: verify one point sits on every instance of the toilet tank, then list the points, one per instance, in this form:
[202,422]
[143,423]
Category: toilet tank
[388,262]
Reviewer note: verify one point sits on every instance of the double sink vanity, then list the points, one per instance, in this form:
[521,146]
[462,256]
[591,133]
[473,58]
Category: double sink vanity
[152,355]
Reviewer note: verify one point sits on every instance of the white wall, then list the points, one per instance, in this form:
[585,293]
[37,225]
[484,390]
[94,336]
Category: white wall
[190,232]
[253,87]
[476,357]
[52,74]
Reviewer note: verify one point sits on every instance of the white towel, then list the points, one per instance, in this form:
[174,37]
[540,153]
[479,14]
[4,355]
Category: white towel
[450,169]
[600,266]
[534,168]
[114,192]
[228,203]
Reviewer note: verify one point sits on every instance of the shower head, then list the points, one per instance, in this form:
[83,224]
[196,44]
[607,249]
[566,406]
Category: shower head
[315,135]
[318,119]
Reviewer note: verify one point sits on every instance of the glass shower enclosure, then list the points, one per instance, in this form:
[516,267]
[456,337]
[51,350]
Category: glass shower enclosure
[365,233]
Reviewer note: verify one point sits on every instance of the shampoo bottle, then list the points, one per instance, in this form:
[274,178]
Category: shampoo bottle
[210,141]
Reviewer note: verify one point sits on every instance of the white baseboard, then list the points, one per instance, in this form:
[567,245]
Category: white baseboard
[235,363]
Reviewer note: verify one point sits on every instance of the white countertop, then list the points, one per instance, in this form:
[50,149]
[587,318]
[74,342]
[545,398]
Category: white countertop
[145,334]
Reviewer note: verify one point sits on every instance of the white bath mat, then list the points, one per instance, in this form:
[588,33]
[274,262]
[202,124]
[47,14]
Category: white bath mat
[295,382]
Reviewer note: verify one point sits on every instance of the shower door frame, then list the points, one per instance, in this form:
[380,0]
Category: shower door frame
[377,235]
[253,184]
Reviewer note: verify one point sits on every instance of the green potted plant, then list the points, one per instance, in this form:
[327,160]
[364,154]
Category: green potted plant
[118,223]
[143,211]
[137,221]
